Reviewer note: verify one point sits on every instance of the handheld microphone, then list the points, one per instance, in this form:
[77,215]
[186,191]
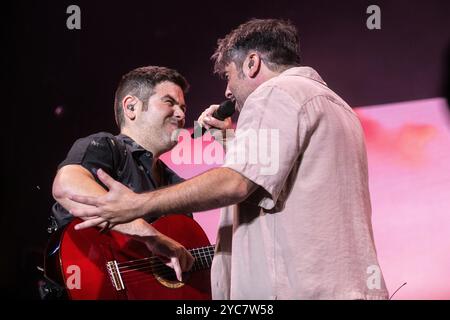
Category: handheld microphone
[225,110]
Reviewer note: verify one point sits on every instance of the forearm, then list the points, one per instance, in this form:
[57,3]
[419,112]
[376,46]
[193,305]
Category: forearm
[136,228]
[139,229]
[76,179]
[214,189]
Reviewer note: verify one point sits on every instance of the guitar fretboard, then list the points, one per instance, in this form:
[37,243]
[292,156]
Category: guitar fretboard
[203,257]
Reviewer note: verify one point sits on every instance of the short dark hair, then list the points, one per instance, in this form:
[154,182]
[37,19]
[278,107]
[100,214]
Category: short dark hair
[140,83]
[276,40]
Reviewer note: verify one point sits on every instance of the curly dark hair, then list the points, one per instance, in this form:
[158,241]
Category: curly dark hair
[140,83]
[276,40]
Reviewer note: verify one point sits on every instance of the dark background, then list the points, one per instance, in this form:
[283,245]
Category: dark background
[46,66]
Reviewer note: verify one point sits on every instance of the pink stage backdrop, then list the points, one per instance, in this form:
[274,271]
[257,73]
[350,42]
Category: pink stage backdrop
[408,146]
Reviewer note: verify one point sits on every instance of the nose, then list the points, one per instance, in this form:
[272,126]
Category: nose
[179,114]
[228,93]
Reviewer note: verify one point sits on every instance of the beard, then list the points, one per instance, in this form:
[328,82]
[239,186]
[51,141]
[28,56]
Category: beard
[241,94]
[171,132]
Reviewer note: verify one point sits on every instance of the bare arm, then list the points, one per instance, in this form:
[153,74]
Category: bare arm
[214,189]
[76,179]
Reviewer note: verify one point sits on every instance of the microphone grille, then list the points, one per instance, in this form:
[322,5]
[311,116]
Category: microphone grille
[225,110]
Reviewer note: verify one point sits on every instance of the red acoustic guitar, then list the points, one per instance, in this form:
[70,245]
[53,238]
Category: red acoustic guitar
[93,265]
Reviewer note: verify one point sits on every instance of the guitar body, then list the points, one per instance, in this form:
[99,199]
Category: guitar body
[113,266]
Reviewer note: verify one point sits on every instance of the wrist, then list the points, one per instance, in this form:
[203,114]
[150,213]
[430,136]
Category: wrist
[142,204]
[149,231]
[139,229]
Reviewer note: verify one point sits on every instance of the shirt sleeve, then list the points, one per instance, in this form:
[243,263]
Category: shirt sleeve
[267,141]
[93,152]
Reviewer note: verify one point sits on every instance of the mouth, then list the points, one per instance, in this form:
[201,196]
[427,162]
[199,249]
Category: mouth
[175,123]
[175,128]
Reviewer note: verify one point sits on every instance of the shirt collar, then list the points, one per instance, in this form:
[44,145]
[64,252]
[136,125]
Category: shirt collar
[133,145]
[306,72]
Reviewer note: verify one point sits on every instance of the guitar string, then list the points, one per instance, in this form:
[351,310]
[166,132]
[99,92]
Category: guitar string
[138,276]
[134,276]
[166,275]
[192,250]
[196,250]
[142,278]
[196,266]
[200,256]
[129,278]
[154,258]
[137,260]
[131,282]
[199,260]
[159,265]
[141,275]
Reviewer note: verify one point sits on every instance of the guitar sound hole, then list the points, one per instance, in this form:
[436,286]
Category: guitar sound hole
[160,270]
[166,275]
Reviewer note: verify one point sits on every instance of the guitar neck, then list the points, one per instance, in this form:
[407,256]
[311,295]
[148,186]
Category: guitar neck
[203,257]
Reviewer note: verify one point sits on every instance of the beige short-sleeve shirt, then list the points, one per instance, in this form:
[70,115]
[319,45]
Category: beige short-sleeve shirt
[306,233]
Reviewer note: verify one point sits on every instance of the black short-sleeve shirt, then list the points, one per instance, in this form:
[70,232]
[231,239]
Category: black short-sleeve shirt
[122,158]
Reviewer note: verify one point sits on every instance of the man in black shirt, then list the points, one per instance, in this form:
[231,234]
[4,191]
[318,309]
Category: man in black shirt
[149,107]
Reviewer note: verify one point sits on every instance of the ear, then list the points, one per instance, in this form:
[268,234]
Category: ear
[252,64]
[130,106]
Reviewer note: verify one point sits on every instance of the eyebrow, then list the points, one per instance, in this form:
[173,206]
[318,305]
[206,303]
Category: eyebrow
[168,96]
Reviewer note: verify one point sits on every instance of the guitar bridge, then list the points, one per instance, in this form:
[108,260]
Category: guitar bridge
[114,274]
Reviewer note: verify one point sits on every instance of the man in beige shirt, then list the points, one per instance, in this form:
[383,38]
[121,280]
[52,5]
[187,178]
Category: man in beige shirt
[295,174]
